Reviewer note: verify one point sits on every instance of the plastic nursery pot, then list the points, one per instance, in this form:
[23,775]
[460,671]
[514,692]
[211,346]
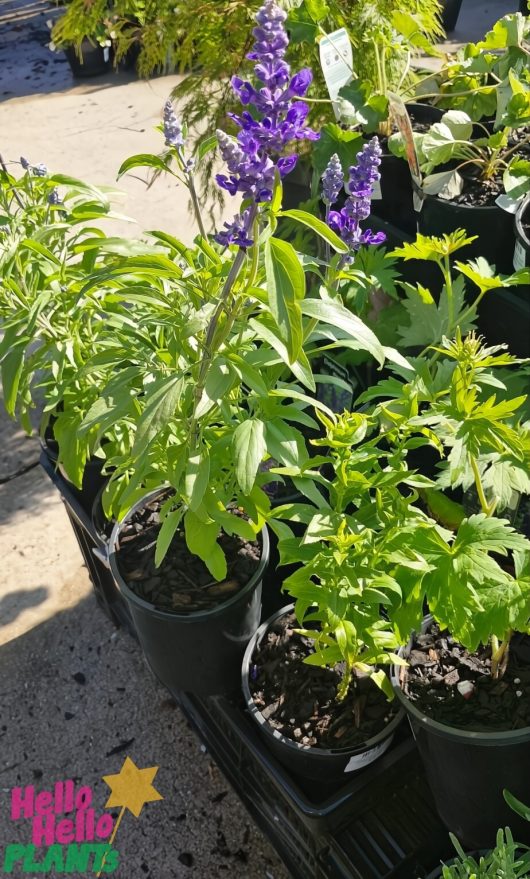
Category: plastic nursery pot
[95,59]
[93,479]
[317,764]
[450,13]
[396,203]
[467,772]
[492,225]
[198,652]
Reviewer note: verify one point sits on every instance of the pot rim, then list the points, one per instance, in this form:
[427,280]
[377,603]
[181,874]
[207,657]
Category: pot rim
[485,739]
[192,616]
[293,746]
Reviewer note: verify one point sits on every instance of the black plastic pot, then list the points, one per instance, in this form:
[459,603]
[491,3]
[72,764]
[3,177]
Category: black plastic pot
[308,762]
[93,479]
[93,60]
[467,772]
[396,205]
[523,7]
[199,652]
[450,13]
[492,225]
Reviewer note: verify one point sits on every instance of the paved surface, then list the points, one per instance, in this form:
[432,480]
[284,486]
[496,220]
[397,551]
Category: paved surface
[54,726]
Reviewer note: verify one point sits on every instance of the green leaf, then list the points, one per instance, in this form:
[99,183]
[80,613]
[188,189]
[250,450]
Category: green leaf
[142,160]
[206,146]
[334,139]
[303,21]
[359,106]
[201,538]
[301,368]
[286,289]
[11,369]
[518,807]
[219,381]
[196,479]
[162,399]
[169,527]
[333,313]
[249,447]
[322,229]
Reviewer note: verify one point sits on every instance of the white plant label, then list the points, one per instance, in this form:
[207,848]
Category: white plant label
[336,60]
[519,256]
[359,761]
[106,54]
[507,203]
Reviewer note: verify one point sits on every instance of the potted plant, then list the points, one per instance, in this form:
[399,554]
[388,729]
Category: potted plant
[219,379]
[313,675]
[507,859]
[84,33]
[468,653]
[484,177]
[49,329]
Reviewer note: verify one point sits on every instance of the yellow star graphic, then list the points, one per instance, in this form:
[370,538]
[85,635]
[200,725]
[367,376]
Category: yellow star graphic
[132,787]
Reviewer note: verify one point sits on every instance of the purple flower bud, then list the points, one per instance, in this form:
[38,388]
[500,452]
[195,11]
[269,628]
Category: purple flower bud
[24,162]
[172,127]
[332,180]
[300,82]
[236,232]
[40,170]
[54,197]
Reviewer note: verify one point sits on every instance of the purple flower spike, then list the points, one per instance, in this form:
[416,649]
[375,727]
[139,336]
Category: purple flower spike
[278,119]
[332,180]
[172,127]
[40,170]
[236,232]
[24,162]
[363,177]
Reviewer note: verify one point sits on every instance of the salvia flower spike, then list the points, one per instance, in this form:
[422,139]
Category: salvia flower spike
[172,127]
[279,119]
[362,179]
[332,180]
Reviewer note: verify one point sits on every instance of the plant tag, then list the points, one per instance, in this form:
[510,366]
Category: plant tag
[336,60]
[359,761]
[401,118]
[519,256]
[106,54]
[507,203]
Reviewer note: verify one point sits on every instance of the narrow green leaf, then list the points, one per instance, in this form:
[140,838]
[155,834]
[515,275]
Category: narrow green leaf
[142,160]
[286,289]
[336,315]
[319,227]
[196,479]
[249,447]
[167,532]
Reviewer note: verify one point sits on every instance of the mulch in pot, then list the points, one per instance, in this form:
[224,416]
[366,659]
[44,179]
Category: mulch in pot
[182,583]
[483,193]
[438,665]
[299,700]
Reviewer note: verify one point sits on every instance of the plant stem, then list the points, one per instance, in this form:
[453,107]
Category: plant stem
[487,509]
[212,327]
[446,269]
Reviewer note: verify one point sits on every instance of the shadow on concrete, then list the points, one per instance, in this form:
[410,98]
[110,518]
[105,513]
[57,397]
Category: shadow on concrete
[77,699]
[14,603]
[27,65]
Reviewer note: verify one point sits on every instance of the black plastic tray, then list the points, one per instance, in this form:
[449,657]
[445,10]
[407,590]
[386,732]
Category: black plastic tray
[380,824]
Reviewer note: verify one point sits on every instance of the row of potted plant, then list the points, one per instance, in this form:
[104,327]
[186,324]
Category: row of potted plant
[190,376]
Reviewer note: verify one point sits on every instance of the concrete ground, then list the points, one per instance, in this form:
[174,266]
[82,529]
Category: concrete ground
[75,696]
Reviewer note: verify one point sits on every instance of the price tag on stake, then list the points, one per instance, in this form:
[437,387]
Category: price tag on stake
[336,60]
[399,115]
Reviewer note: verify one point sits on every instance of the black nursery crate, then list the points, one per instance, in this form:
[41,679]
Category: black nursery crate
[381,824]
[105,589]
